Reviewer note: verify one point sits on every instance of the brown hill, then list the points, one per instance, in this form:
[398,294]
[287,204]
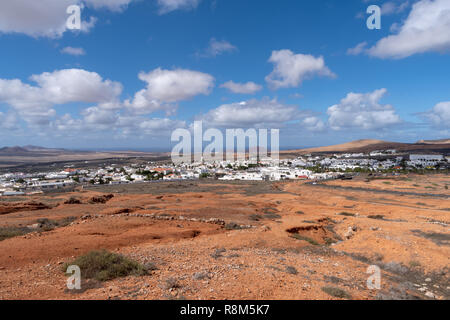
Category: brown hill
[441,141]
[369,145]
[345,147]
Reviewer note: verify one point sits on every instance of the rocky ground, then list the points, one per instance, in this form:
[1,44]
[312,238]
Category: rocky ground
[236,240]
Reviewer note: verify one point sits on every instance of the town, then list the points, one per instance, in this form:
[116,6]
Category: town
[307,167]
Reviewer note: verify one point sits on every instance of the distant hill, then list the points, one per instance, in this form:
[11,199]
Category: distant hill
[30,151]
[369,145]
[17,156]
[345,147]
[37,148]
[441,141]
[13,151]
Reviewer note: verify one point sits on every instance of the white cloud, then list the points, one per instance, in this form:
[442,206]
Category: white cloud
[358,49]
[291,69]
[217,48]
[427,29]
[47,18]
[8,121]
[76,85]
[113,5]
[439,116]
[362,111]
[242,88]
[97,116]
[96,120]
[313,124]
[252,113]
[152,126]
[392,7]
[35,103]
[166,6]
[73,51]
[165,87]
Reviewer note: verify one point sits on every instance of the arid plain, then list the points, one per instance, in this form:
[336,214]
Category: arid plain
[236,240]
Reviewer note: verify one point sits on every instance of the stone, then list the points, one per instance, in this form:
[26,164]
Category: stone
[349,233]
[34,226]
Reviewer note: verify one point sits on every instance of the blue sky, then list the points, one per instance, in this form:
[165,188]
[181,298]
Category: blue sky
[140,69]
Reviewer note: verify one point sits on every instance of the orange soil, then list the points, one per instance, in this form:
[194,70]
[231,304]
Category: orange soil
[174,232]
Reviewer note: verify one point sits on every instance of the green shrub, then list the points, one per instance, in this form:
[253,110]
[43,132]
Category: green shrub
[376,217]
[291,270]
[103,265]
[10,232]
[336,292]
[300,237]
[347,214]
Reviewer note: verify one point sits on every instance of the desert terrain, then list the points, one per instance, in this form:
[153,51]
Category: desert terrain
[236,240]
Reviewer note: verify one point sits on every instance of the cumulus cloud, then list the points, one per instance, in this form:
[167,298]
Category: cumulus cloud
[166,6]
[427,29]
[392,7]
[96,120]
[113,5]
[359,48]
[291,69]
[252,113]
[157,125]
[165,87]
[73,51]
[8,121]
[217,48]
[242,88]
[313,124]
[35,102]
[362,111]
[47,18]
[439,116]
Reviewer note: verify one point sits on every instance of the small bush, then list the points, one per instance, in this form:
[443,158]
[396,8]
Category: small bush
[171,283]
[73,200]
[101,199]
[255,217]
[376,217]
[300,237]
[232,226]
[200,276]
[272,216]
[414,264]
[279,250]
[49,225]
[11,232]
[336,292]
[347,214]
[218,253]
[291,270]
[103,265]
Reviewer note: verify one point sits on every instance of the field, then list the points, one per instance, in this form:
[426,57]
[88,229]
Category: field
[235,240]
